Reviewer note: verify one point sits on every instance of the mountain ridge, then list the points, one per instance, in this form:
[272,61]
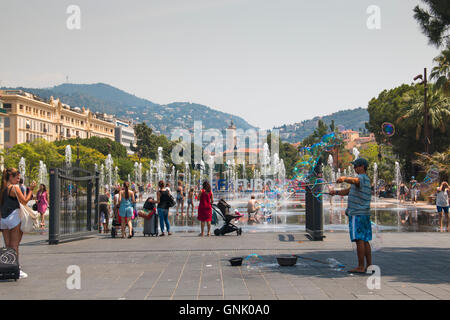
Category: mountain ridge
[101,97]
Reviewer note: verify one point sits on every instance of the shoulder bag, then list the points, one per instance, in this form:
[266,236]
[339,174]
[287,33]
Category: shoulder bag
[28,218]
[171,201]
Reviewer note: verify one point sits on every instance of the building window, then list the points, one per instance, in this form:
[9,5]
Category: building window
[6,136]
[21,107]
[7,122]
[7,105]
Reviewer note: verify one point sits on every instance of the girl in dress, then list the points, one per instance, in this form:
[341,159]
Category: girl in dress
[205,208]
[42,203]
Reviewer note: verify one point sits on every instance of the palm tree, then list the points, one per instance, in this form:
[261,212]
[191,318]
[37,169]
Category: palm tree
[438,110]
[434,21]
[441,72]
[438,160]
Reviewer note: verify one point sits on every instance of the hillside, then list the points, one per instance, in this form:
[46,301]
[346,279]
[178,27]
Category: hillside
[101,97]
[349,119]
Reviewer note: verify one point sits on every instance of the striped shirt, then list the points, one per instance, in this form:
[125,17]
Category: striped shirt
[359,197]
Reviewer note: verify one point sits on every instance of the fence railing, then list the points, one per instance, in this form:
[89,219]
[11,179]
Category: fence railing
[73,199]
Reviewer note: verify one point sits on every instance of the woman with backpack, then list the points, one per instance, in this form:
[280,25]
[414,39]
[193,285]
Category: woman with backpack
[205,208]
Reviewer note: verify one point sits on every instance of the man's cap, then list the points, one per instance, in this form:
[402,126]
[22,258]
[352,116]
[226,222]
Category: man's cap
[360,162]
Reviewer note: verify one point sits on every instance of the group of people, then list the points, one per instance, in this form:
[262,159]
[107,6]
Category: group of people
[412,191]
[125,199]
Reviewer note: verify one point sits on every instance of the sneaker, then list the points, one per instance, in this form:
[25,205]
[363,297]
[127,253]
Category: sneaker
[23,275]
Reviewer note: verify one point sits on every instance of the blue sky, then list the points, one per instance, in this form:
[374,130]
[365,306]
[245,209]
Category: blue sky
[270,62]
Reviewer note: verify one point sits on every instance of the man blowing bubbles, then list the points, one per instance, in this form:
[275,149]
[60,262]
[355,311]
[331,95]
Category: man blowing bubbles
[358,211]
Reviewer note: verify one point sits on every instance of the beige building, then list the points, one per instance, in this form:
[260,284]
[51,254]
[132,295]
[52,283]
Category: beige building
[30,117]
[2,116]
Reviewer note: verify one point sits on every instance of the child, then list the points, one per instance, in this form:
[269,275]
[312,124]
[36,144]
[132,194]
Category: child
[190,202]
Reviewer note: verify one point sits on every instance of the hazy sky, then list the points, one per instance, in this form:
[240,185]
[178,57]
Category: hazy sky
[269,61]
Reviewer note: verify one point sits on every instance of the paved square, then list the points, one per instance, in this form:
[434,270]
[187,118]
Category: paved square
[184,266]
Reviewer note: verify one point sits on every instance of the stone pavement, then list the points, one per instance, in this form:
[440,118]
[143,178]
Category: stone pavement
[184,266]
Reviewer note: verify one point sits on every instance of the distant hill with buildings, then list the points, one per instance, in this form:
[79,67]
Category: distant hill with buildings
[101,97]
[348,119]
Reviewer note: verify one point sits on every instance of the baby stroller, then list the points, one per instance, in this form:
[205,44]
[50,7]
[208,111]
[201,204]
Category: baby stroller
[222,209]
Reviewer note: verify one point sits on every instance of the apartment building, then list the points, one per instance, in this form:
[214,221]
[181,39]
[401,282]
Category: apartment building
[124,134]
[29,117]
[2,116]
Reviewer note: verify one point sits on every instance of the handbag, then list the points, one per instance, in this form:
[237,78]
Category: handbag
[172,202]
[28,218]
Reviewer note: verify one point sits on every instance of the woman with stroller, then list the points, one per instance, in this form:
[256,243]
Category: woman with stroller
[126,200]
[205,208]
[42,203]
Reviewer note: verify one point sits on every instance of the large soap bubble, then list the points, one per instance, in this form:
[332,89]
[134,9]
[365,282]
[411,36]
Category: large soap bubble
[388,129]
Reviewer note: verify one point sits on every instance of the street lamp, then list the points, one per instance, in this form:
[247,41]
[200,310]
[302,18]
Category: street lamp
[426,121]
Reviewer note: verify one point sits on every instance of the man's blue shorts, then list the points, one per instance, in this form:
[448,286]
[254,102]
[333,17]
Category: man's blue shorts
[439,209]
[360,228]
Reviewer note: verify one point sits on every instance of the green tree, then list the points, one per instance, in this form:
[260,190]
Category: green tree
[441,72]
[143,140]
[103,145]
[88,156]
[434,22]
[438,110]
[439,160]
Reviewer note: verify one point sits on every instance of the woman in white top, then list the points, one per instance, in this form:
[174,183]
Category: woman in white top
[442,202]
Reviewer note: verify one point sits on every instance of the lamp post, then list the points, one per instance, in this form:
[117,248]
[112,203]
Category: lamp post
[78,154]
[426,120]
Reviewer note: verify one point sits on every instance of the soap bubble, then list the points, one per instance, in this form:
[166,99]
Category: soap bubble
[432,175]
[377,239]
[388,129]
[251,261]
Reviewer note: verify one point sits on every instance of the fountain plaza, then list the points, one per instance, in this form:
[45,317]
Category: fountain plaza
[407,249]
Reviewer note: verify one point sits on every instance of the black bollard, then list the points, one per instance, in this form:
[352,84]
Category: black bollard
[53,232]
[314,214]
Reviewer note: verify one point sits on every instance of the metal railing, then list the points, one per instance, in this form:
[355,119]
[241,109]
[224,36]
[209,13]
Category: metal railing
[74,210]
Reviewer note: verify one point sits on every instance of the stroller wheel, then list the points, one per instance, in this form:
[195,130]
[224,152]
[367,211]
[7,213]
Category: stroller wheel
[239,232]
[217,232]
[113,232]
